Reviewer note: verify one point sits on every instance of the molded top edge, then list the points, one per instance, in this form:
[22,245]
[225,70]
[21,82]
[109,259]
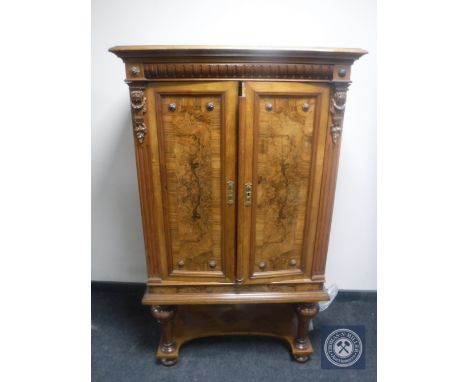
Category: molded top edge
[125,51]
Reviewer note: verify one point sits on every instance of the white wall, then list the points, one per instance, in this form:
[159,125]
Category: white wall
[117,240]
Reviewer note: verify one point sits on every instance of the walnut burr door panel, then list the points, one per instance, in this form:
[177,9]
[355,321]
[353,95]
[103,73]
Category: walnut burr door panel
[282,139]
[196,146]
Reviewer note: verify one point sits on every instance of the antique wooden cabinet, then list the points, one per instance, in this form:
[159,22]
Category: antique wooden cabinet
[237,153]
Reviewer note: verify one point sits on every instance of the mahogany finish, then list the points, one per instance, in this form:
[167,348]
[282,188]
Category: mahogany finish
[237,154]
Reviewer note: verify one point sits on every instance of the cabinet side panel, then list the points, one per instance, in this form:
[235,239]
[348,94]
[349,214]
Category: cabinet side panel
[147,180]
[330,171]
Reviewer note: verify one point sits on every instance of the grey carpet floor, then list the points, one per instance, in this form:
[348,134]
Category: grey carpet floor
[124,337]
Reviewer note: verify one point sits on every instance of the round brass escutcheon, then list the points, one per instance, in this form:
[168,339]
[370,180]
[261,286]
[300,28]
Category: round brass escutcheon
[342,72]
[181,263]
[262,265]
[172,106]
[292,262]
[268,107]
[212,264]
[306,106]
[210,106]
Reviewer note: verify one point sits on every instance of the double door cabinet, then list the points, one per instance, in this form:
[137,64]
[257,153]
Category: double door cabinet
[237,153]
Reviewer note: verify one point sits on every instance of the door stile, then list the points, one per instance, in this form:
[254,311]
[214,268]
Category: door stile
[241,213]
[244,216]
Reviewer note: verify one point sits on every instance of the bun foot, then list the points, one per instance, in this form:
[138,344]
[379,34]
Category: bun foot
[301,358]
[168,361]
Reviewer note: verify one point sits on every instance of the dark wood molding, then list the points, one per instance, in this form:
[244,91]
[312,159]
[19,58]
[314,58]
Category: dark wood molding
[236,53]
[145,63]
[238,70]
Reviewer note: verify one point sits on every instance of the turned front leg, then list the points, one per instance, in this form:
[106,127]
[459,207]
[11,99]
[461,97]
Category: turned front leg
[305,312]
[165,315]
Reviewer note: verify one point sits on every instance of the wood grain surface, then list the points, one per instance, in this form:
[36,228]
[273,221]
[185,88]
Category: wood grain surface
[192,148]
[195,164]
[283,145]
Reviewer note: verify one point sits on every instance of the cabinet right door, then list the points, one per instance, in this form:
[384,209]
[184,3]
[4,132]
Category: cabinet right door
[283,129]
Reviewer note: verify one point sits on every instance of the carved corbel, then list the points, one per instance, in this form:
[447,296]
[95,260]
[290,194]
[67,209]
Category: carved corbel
[140,131]
[337,108]
[138,103]
[138,99]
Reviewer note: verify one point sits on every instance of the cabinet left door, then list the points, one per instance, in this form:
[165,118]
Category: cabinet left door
[191,132]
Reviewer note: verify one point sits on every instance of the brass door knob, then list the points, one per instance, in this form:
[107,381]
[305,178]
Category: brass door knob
[210,106]
[212,264]
[306,106]
[262,265]
[268,107]
[172,106]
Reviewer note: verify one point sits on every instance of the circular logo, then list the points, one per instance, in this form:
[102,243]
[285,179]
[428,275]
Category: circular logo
[343,347]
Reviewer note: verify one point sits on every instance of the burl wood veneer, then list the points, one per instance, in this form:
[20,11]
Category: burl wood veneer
[237,154]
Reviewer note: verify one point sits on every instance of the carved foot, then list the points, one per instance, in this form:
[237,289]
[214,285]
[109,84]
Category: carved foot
[301,358]
[305,312]
[168,361]
[167,345]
